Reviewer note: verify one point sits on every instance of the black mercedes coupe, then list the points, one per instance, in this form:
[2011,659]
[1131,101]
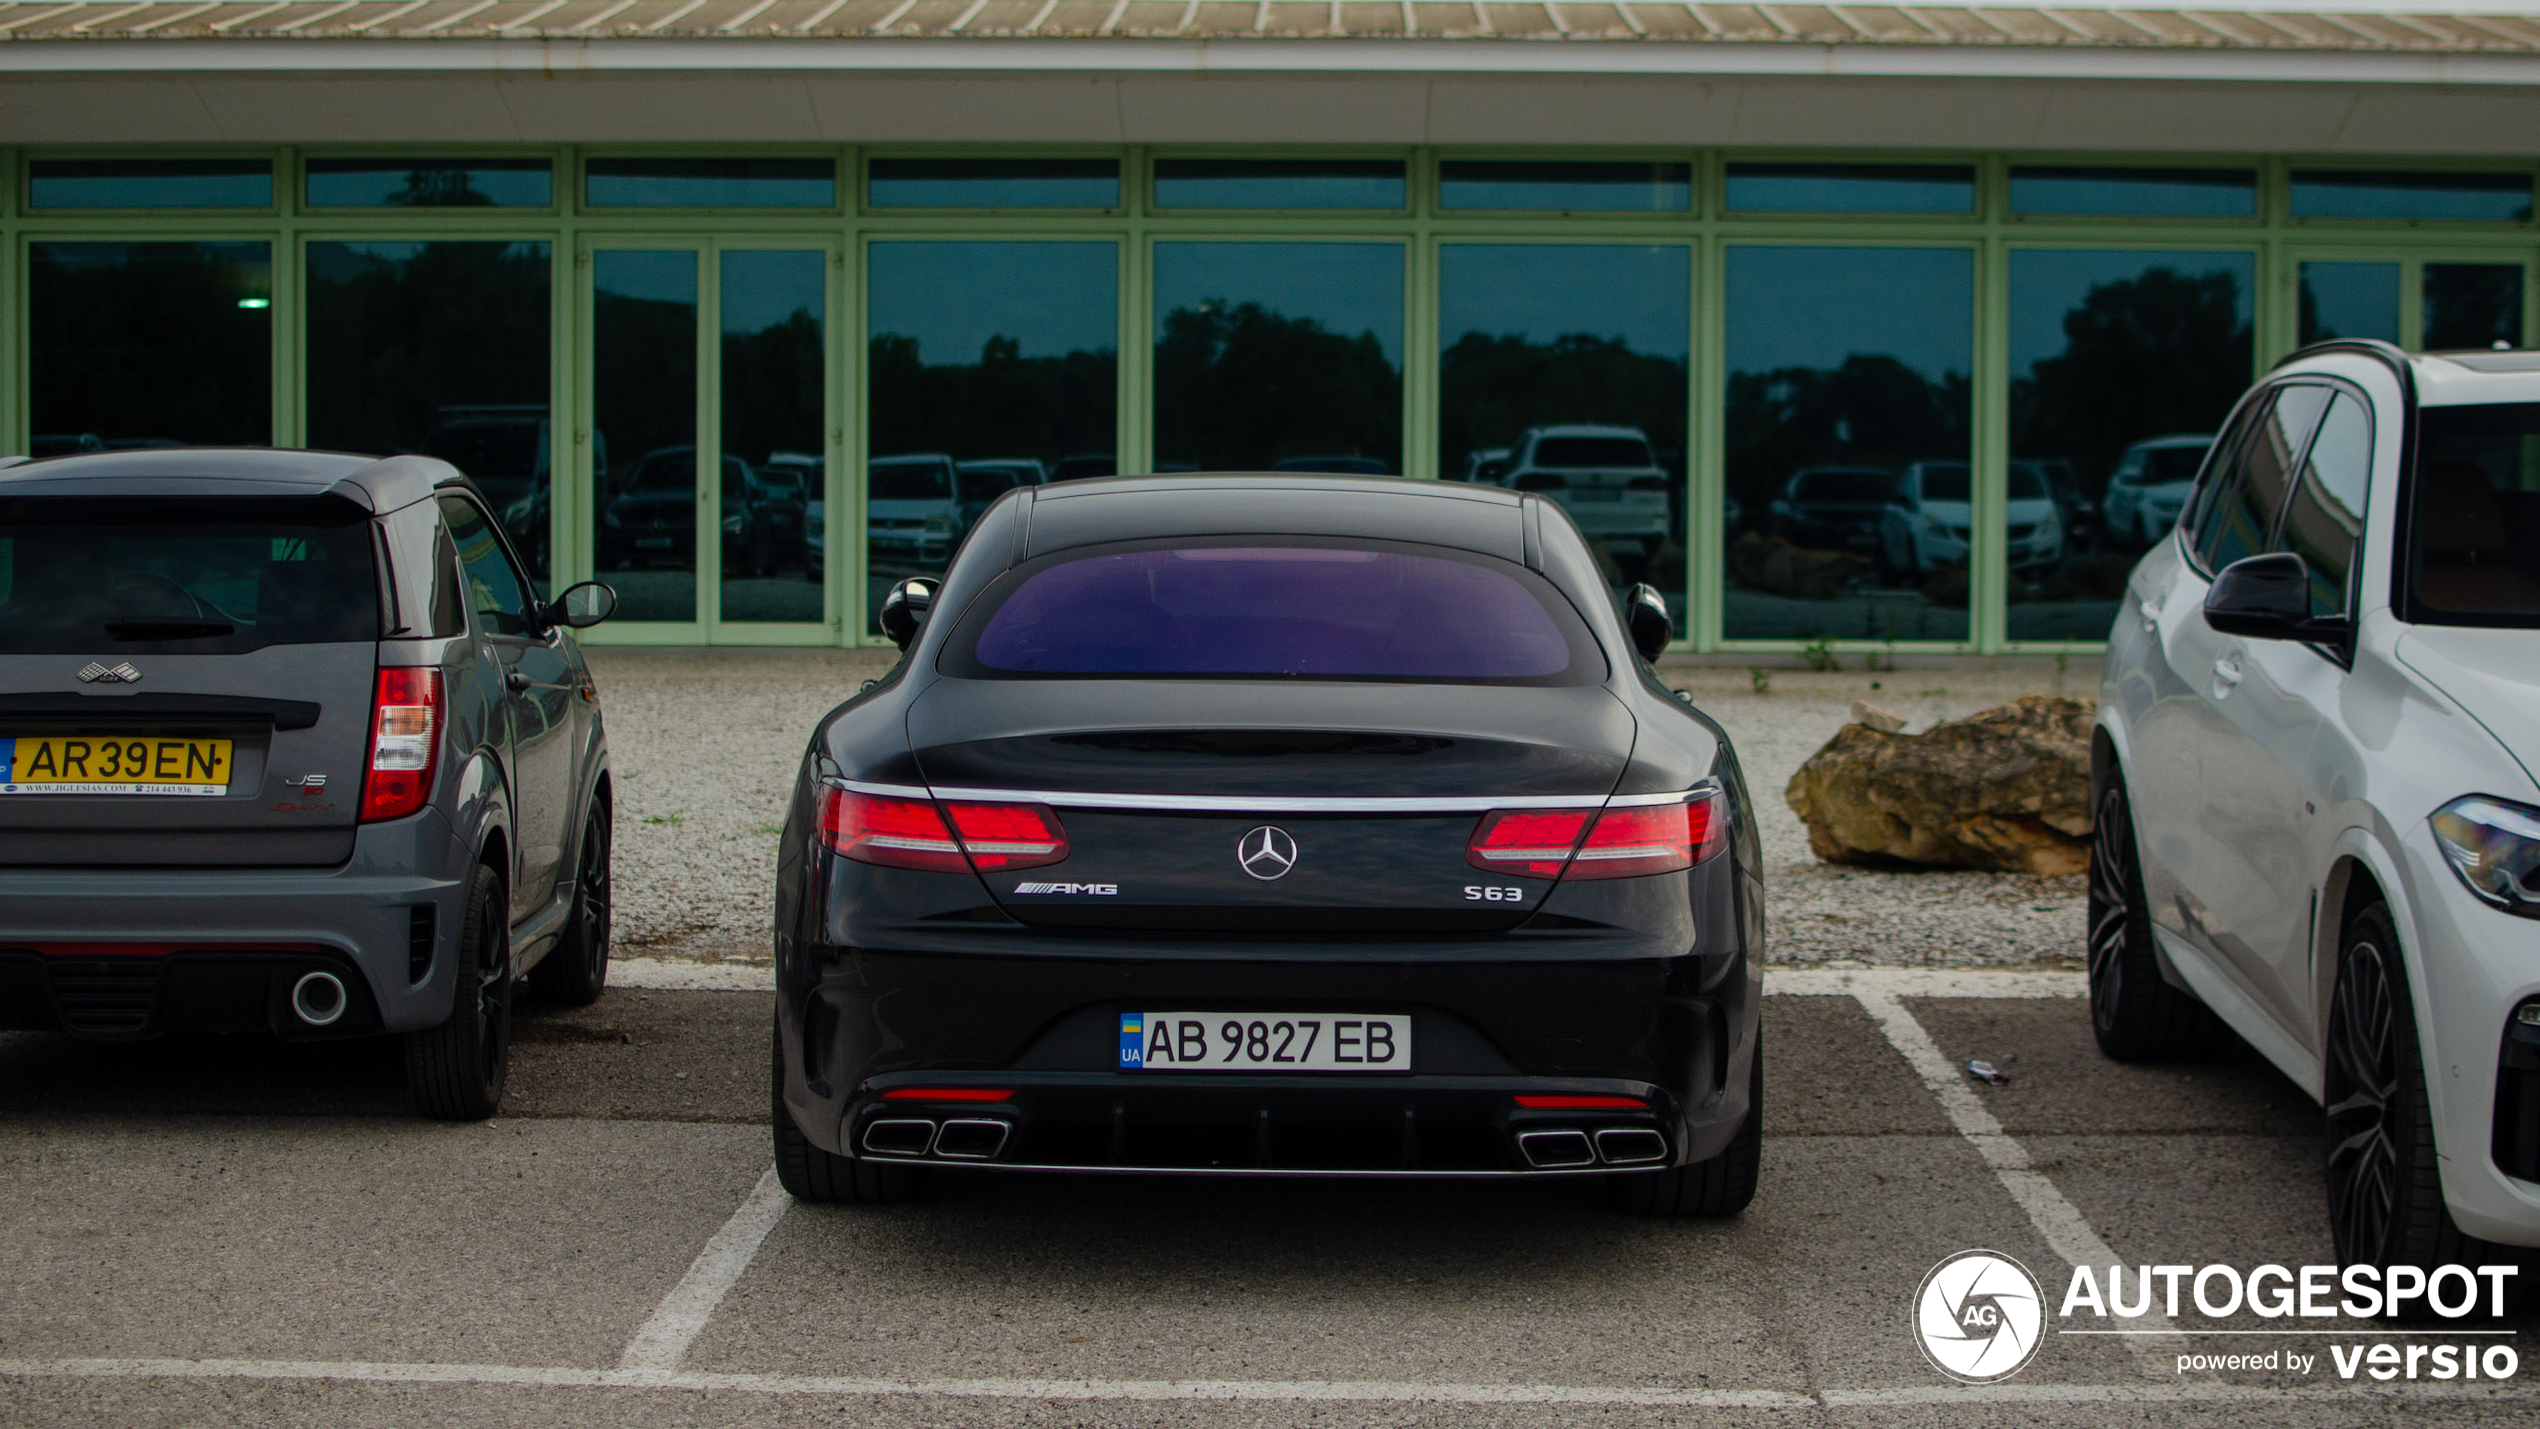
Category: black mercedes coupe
[1271,825]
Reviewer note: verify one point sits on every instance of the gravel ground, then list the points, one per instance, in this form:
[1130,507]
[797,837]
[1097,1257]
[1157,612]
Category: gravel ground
[697,823]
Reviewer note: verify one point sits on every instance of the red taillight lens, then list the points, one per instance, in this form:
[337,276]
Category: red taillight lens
[948,1094]
[1620,843]
[405,743]
[912,833]
[1532,842]
[1581,1103]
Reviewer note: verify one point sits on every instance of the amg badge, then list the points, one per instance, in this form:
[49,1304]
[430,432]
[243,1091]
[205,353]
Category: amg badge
[1097,890]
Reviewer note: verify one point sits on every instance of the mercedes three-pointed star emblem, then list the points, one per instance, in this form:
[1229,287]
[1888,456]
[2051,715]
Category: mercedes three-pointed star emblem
[1267,852]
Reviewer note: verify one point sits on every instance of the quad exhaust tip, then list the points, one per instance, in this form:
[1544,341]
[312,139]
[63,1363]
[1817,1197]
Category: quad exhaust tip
[962,1138]
[1630,1146]
[319,999]
[971,1139]
[901,1136]
[1551,1150]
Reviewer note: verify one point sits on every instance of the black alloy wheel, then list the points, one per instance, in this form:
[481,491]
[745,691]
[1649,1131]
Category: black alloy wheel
[456,1071]
[1711,1190]
[2385,1186]
[2135,1014]
[578,969]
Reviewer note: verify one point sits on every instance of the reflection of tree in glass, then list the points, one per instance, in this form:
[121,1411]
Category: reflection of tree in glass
[1872,411]
[771,389]
[1493,388]
[438,188]
[2149,356]
[394,340]
[1240,387]
[2472,305]
[644,379]
[149,341]
[1003,405]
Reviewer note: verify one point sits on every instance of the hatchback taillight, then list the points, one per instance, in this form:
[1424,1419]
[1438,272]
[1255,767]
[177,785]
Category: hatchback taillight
[1619,843]
[405,742]
[951,837]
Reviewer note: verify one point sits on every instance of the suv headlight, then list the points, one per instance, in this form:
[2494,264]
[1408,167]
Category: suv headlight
[2495,848]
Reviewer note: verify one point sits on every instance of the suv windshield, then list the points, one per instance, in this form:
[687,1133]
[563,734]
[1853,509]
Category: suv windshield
[909,481]
[91,577]
[1568,452]
[1317,611]
[2475,532]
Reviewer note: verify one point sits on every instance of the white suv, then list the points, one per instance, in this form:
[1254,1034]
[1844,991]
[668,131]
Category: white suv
[1605,477]
[2318,783]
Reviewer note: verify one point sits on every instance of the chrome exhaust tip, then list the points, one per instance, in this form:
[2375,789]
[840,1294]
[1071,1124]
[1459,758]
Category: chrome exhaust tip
[971,1139]
[899,1136]
[1549,1150]
[319,999]
[1630,1146]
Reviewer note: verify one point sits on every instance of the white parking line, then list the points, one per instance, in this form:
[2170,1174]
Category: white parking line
[1256,1391]
[675,1323]
[683,975]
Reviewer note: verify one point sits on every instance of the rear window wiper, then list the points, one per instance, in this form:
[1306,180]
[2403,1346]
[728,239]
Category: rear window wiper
[168,628]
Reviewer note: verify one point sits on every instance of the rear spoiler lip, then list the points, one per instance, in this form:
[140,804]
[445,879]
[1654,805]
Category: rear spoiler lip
[160,704]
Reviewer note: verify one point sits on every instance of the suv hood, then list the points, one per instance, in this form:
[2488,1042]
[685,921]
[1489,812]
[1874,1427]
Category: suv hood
[2494,674]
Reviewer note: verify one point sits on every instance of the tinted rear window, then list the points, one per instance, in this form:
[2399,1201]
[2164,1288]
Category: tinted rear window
[1592,451]
[2474,535]
[1321,610]
[102,578]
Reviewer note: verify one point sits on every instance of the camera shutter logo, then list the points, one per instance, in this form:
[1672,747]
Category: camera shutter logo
[1980,1316]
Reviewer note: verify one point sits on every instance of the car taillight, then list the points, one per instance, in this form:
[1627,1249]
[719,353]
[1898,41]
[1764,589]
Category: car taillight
[1620,843]
[405,742]
[912,833]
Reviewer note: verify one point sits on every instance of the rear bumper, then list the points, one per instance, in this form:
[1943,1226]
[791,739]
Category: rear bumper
[218,949]
[1042,1030]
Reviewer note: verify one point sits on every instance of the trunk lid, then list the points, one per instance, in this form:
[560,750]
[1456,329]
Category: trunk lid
[1371,793]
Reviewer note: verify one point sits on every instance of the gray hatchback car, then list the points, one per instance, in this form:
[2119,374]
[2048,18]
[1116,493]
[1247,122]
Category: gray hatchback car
[288,745]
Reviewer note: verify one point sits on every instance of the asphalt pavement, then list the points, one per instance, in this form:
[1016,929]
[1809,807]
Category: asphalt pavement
[240,1231]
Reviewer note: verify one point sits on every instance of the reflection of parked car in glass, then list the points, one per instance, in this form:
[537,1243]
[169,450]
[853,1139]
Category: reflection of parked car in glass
[507,450]
[1605,477]
[1926,525]
[811,473]
[1338,465]
[912,507]
[1833,508]
[1081,468]
[64,444]
[985,480]
[779,505]
[652,519]
[2149,486]
[2073,506]
[1488,465]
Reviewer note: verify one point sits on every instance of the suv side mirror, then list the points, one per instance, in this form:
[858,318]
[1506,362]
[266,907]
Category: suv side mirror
[2269,598]
[903,611]
[1645,610]
[581,605]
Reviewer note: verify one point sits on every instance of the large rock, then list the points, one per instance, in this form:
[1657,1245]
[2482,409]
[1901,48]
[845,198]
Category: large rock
[2008,789]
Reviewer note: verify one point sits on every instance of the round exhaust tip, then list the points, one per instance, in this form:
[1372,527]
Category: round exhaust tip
[319,999]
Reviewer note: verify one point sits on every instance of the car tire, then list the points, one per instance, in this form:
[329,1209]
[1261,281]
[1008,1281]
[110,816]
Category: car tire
[818,1177]
[456,1071]
[2134,1011]
[576,972]
[2385,1186]
[1714,1189]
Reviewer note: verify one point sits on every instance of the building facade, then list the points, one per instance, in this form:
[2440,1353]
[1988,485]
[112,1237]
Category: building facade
[1855,328]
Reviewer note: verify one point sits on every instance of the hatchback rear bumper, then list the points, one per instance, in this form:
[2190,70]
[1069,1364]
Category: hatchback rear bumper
[876,1033]
[156,950]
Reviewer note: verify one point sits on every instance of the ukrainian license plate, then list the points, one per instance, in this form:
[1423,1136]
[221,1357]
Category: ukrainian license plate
[1264,1042]
[100,764]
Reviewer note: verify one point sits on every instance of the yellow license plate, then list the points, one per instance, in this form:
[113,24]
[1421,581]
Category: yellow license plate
[103,764]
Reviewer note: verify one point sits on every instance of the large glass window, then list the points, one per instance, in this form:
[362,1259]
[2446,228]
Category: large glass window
[1278,355]
[1852,188]
[988,365]
[1565,186]
[150,183]
[2043,191]
[2419,197]
[430,183]
[149,345]
[775,422]
[2349,300]
[1849,512]
[994,183]
[1563,370]
[2472,305]
[644,429]
[441,348]
[710,183]
[1280,183]
[2122,365]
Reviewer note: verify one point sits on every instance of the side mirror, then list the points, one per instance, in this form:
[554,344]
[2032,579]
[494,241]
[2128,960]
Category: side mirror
[2269,598]
[581,606]
[904,610]
[1645,610]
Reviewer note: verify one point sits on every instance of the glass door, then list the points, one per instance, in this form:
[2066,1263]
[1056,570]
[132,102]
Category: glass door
[707,437]
[2422,301]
